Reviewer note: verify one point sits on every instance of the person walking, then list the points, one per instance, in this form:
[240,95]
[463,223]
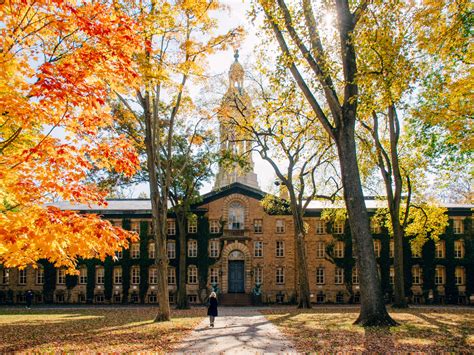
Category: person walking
[212,309]
[29,298]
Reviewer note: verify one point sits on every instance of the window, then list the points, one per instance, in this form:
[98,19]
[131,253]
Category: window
[416,275]
[320,297]
[236,216]
[151,250]
[338,228]
[258,249]
[214,276]
[320,227]
[460,275]
[440,249]
[5,276]
[135,250]
[339,276]
[355,275]
[280,276]
[171,249]
[214,248]
[192,248]
[339,249]
[391,249]
[258,225]
[458,226]
[119,254]
[192,298]
[117,298]
[153,275]
[280,226]
[320,249]
[99,299]
[192,274]
[22,277]
[374,226]
[135,275]
[99,275]
[340,297]
[134,298]
[320,276]
[440,273]
[171,276]
[39,276]
[152,298]
[459,249]
[61,277]
[60,297]
[118,275]
[258,275]
[135,226]
[171,229]
[192,224]
[377,247]
[280,297]
[214,226]
[392,275]
[280,248]
[83,275]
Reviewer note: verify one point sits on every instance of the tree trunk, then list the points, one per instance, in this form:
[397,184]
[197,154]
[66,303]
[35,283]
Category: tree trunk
[304,299]
[159,215]
[398,231]
[372,310]
[182,301]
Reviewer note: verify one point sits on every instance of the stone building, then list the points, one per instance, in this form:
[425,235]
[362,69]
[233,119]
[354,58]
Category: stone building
[234,245]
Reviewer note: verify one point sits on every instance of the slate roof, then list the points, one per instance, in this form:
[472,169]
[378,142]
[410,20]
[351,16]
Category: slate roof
[143,206]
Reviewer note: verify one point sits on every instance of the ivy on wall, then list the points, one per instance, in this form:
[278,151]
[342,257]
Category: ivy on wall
[144,260]
[49,284]
[108,278]
[125,262]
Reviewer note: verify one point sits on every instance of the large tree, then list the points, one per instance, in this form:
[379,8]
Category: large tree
[284,131]
[328,82]
[176,39]
[57,61]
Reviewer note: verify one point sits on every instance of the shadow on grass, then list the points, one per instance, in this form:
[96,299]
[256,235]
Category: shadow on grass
[316,330]
[89,329]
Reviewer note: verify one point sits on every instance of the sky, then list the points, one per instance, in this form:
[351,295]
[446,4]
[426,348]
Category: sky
[219,64]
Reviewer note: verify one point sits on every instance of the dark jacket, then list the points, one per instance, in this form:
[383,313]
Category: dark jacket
[212,309]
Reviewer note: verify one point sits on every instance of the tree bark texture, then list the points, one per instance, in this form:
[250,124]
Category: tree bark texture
[159,215]
[372,310]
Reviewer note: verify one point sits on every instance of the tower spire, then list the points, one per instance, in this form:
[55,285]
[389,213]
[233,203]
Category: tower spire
[236,106]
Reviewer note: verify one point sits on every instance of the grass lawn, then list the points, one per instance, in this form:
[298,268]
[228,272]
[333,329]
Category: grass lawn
[421,330]
[89,329]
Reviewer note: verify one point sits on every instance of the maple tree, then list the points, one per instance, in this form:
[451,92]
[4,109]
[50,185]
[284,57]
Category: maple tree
[57,62]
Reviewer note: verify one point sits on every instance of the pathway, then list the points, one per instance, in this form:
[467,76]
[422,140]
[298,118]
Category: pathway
[237,330]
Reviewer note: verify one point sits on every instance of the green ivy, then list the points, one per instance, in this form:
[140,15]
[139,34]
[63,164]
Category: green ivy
[126,266]
[49,281]
[144,261]
[90,264]
[108,278]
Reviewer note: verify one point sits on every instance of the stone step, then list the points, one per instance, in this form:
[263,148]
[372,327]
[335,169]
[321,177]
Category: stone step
[235,299]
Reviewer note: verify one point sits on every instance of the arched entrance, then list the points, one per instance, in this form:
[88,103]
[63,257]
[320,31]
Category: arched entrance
[236,270]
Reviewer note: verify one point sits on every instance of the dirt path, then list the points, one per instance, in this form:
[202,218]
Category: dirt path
[237,330]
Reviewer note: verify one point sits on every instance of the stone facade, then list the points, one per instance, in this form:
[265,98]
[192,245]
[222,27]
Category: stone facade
[263,245]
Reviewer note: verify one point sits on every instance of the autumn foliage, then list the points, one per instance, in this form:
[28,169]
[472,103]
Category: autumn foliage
[58,61]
